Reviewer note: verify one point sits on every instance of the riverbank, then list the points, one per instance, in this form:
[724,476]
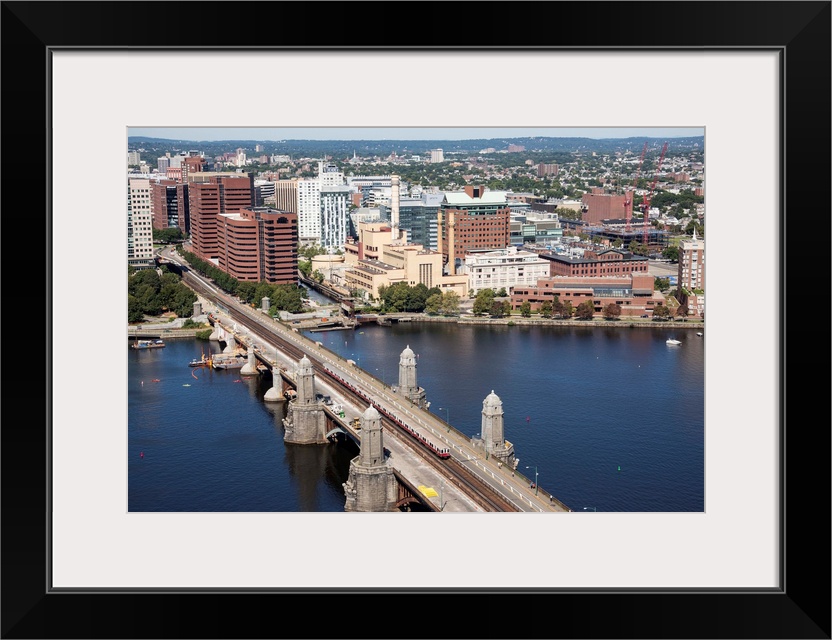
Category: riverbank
[629,323]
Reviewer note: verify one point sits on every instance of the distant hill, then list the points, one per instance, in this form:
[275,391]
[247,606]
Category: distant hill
[346,148]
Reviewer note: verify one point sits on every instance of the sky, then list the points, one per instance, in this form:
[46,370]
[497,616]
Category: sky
[200,134]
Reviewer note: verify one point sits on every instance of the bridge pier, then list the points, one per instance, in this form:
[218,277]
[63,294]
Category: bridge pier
[306,420]
[371,485]
[275,394]
[250,367]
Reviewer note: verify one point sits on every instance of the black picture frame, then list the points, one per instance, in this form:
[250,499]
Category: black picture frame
[800,608]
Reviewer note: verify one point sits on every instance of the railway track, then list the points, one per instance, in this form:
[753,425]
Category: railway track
[452,469]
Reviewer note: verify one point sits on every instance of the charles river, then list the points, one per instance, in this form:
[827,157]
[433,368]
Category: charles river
[612,418]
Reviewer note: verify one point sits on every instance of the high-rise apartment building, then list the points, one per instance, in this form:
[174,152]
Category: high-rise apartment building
[472,220]
[258,244]
[335,201]
[210,195]
[139,224]
[163,163]
[544,169]
[134,158]
[690,285]
[437,155]
[309,210]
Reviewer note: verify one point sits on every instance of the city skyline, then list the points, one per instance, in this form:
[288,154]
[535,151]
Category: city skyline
[216,134]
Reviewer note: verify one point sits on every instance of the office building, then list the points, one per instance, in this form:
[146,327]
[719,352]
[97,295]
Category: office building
[374,261]
[209,195]
[602,206]
[164,204]
[471,220]
[504,268]
[258,244]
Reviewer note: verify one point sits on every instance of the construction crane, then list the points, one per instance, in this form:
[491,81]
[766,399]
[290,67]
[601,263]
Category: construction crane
[629,193]
[646,205]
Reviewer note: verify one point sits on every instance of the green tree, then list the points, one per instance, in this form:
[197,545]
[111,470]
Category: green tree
[661,284]
[546,309]
[671,253]
[483,301]
[526,309]
[245,291]
[450,303]
[168,235]
[682,311]
[433,305]
[567,309]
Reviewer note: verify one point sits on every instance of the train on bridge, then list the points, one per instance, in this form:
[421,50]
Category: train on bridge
[439,451]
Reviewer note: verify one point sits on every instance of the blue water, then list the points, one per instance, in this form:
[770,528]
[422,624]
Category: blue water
[612,418]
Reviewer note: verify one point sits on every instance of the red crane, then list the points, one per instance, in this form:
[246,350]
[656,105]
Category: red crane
[628,193]
[646,205]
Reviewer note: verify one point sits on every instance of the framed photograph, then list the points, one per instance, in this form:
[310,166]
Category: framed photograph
[754,75]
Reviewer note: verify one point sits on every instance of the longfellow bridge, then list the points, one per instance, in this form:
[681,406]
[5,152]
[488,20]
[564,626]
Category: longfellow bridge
[407,457]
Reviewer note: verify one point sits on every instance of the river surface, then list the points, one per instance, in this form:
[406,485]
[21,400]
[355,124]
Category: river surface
[611,419]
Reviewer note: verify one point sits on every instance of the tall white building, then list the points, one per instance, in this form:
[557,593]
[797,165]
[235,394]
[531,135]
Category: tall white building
[334,215]
[437,155]
[240,160]
[309,210]
[163,163]
[139,224]
[133,158]
[323,220]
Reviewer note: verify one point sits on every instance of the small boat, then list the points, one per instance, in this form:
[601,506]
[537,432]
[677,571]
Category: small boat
[186,385]
[700,334]
[672,341]
[155,380]
[200,362]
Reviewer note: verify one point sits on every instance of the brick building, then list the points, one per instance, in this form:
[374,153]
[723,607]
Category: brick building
[613,262]
[258,244]
[470,220]
[210,195]
[602,206]
[634,293]
[164,206]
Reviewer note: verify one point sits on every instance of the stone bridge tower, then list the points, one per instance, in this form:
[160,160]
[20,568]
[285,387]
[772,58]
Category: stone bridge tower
[306,421]
[493,439]
[371,485]
[408,387]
